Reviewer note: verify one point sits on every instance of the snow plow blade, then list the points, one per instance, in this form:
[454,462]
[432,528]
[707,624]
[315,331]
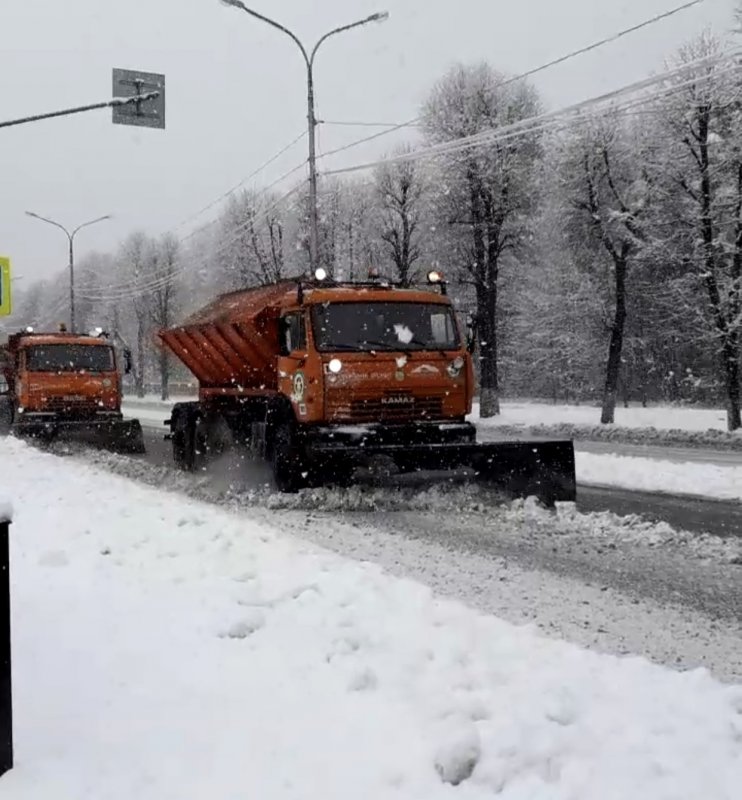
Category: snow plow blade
[542,469]
[118,435]
[127,437]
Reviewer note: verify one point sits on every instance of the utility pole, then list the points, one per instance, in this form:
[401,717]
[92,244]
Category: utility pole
[311,113]
[71,238]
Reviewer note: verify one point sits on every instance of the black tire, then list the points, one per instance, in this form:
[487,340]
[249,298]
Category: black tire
[180,446]
[289,469]
[184,430]
[131,440]
[201,450]
[6,415]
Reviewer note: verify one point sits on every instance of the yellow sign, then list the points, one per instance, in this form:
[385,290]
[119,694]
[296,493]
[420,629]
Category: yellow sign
[5,300]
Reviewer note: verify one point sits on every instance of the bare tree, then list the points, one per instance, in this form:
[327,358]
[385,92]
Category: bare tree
[268,248]
[252,247]
[608,195]
[164,276]
[136,256]
[487,192]
[401,190]
[702,172]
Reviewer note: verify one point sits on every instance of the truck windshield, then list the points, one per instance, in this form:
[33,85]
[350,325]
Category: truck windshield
[384,326]
[69,358]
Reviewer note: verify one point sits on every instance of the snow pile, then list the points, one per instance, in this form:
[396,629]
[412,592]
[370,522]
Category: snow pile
[711,439]
[155,400]
[197,654]
[524,518]
[649,475]
[659,417]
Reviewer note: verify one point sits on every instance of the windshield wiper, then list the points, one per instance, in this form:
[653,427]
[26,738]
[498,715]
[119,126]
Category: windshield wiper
[413,346]
[327,348]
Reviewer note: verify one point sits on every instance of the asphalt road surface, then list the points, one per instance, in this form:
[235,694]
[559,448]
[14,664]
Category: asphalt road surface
[687,513]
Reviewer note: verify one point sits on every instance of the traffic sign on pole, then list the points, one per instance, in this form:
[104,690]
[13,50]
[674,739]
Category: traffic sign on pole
[148,112]
[6,305]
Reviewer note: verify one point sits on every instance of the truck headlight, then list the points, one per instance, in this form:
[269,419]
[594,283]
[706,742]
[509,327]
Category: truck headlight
[335,366]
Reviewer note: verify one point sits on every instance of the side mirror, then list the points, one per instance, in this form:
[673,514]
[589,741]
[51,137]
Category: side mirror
[471,334]
[283,330]
[127,362]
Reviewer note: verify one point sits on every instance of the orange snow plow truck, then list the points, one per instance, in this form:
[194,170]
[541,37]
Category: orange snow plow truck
[64,384]
[324,379]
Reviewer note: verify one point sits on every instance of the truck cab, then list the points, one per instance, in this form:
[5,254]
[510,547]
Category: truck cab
[374,356]
[62,382]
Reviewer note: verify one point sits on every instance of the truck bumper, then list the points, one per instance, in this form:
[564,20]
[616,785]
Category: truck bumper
[370,436]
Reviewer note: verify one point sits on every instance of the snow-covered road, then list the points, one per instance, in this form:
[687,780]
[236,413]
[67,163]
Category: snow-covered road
[165,648]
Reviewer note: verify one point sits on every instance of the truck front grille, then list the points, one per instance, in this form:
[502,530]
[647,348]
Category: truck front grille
[72,409]
[390,407]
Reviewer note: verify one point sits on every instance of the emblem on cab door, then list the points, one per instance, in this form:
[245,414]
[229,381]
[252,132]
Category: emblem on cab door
[300,387]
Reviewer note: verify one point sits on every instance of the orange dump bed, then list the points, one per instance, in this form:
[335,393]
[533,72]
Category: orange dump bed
[232,342]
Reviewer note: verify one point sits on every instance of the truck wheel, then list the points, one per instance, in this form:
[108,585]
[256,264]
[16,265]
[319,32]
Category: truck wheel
[179,450]
[182,444]
[202,450]
[289,472]
[6,416]
[131,439]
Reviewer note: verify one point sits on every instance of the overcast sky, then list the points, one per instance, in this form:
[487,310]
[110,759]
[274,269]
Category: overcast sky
[236,93]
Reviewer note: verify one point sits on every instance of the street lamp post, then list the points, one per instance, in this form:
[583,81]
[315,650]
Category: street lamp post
[311,115]
[71,238]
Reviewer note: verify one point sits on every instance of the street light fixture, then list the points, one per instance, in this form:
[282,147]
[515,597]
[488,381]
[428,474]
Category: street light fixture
[309,57]
[71,238]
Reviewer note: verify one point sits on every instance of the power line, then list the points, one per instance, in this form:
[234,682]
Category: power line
[562,59]
[131,290]
[496,134]
[262,192]
[610,39]
[485,137]
[154,277]
[252,175]
[528,127]
[364,124]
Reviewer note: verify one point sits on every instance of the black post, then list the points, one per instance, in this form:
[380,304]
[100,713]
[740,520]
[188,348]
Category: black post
[6,701]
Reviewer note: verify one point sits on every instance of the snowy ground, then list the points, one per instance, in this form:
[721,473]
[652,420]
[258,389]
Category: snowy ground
[529,414]
[660,417]
[168,649]
[651,475]
[626,472]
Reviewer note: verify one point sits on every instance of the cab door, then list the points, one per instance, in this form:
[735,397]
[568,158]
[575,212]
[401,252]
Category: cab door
[293,380]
